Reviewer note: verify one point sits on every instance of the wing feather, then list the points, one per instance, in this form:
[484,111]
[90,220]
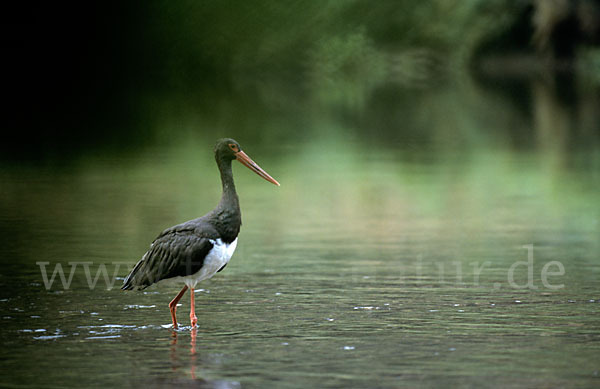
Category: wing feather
[175,253]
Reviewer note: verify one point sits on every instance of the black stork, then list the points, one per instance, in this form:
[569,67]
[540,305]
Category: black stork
[198,249]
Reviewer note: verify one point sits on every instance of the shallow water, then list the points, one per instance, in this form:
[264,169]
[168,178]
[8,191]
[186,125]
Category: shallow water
[377,263]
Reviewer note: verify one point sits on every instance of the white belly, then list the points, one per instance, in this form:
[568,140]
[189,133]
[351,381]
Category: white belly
[216,258]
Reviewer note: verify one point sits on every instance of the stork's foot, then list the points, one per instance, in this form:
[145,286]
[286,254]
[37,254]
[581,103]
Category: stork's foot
[173,310]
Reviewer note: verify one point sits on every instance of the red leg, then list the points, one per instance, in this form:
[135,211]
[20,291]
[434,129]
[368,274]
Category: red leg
[193,317]
[173,305]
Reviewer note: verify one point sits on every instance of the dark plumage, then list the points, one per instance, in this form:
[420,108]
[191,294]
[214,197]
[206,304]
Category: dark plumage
[177,252]
[199,248]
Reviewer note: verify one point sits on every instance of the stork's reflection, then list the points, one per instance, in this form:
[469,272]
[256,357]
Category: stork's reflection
[174,360]
[181,357]
[193,334]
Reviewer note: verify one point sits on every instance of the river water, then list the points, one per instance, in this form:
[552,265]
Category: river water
[429,238]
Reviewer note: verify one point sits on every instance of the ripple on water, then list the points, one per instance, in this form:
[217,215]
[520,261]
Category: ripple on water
[48,337]
[109,326]
[57,334]
[136,306]
[100,332]
[102,337]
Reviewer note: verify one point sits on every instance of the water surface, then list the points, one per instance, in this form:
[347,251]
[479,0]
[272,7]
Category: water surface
[383,260]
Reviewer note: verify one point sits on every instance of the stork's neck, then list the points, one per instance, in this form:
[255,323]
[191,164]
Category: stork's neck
[229,197]
[227,216]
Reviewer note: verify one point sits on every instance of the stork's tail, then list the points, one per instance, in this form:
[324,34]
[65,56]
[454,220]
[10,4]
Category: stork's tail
[130,281]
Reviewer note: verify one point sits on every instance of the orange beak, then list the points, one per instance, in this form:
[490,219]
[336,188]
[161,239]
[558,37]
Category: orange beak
[250,164]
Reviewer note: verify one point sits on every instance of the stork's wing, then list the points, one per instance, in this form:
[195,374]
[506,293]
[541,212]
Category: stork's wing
[174,253]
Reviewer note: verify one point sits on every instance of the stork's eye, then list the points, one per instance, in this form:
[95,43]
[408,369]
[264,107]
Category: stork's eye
[234,147]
